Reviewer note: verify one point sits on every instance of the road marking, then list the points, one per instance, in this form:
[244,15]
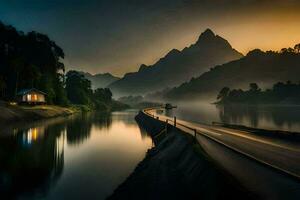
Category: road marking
[255,139]
[292,174]
[208,131]
[247,154]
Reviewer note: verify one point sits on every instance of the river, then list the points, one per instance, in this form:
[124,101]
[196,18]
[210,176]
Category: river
[273,117]
[79,157]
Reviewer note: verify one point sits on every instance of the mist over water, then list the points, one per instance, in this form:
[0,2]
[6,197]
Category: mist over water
[266,117]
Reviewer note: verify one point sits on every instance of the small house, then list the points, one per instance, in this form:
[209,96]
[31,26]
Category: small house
[31,96]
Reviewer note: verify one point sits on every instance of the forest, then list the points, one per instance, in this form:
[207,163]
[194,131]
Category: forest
[33,60]
[280,93]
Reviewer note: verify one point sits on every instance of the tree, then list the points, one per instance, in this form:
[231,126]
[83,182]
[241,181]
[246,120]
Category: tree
[102,99]
[78,88]
[288,93]
[17,65]
[223,94]
[30,60]
[2,86]
[290,50]
[297,48]
[103,95]
[254,87]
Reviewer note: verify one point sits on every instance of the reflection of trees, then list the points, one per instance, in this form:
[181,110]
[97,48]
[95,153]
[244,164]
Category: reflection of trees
[235,114]
[125,117]
[252,115]
[102,120]
[284,115]
[33,159]
[79,128]
[29,166]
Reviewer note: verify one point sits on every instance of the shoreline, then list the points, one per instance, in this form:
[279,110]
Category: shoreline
[257,104]
[11,114]
[177,168]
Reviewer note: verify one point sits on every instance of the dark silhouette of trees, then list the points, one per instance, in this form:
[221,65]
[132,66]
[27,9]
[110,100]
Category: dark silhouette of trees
[78,88]
[79,92]
[254,87]
[281,93]
[102,98]
[297,48]
[31,60]
[290,50]
[223,93]
[103,94]
[2,87]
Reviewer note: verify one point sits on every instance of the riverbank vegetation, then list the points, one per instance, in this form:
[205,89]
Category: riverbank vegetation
[280,93]
[33,60]
[79,92]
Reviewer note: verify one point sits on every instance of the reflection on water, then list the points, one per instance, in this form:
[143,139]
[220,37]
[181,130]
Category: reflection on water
[81,157]
[267,117]
[31,135]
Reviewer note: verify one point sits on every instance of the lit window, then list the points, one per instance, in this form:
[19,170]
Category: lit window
[34,98]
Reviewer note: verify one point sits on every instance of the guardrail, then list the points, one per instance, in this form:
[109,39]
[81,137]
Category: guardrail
[197,132]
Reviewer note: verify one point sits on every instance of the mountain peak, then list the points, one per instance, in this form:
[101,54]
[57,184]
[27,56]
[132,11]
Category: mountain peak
[143,67]
[208,33]
[207,36]
[211,50]
[173,52]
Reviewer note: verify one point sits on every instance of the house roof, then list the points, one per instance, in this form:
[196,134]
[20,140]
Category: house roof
[26,91]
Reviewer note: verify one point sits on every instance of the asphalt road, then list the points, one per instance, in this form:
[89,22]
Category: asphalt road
[266,166]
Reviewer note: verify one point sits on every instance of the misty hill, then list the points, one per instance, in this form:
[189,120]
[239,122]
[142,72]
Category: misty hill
[177,66]
[100,80]
[263,68]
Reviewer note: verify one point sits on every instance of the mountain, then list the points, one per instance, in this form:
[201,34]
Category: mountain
[177,66]
[263,68]
[100,80]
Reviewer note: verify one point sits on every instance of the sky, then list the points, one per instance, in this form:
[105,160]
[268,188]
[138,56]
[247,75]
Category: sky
[117,36]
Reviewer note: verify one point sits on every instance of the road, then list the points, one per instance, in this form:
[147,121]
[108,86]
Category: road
[266,166]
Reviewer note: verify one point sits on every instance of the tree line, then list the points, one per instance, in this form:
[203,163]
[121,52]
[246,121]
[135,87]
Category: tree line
[33,60]
[280,93]
[30,60]
[79,91]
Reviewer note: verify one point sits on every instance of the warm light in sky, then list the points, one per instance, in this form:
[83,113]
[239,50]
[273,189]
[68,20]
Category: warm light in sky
[117,36]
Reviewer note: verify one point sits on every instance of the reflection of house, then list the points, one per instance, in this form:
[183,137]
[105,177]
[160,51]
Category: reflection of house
[31,96]
[32,135]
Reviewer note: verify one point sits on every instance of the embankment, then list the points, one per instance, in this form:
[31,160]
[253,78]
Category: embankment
[176,168]
[13,114]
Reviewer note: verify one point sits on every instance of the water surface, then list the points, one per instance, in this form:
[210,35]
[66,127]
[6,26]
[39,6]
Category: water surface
[82,157]
[267,117]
